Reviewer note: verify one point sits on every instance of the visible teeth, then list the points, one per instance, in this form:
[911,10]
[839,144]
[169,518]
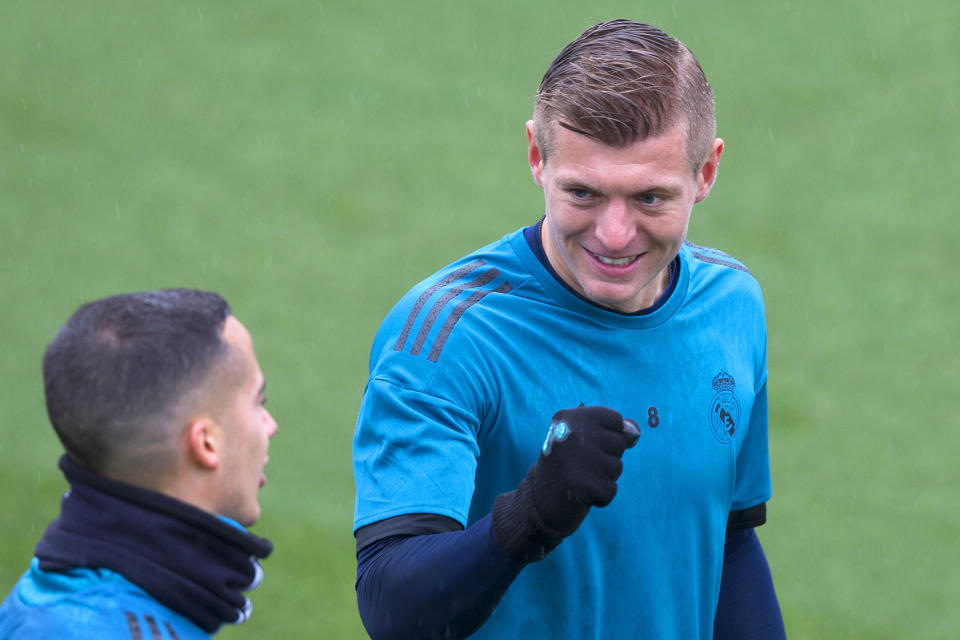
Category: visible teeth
[619,262]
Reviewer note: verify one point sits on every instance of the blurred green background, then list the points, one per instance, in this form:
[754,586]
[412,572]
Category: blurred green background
[312,160]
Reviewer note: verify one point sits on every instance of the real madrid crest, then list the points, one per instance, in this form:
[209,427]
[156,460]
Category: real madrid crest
[724,415]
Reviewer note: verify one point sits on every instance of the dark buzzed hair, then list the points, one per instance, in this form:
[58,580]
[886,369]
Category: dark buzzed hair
[622,81]
[116,372]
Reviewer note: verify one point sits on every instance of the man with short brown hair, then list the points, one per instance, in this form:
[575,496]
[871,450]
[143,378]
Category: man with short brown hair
[564,433]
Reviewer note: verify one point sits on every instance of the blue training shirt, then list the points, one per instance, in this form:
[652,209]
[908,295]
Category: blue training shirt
[465,374]
[88,604]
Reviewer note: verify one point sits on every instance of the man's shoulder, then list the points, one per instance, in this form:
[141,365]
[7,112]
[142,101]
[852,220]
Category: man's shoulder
[710,267]
[424,318]
[711,258]
[87,603]
[722,291]
[499,258]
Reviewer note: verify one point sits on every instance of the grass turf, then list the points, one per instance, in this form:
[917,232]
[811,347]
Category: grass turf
[313,160]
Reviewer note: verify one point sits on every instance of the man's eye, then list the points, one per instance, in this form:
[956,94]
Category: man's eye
[580,194]
[650,198]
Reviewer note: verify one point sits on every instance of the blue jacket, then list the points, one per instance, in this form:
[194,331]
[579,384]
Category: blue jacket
[92,604]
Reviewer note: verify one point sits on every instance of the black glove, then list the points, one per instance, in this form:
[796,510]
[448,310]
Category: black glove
[578,467]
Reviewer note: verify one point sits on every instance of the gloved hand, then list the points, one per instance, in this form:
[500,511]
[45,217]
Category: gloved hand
[577,468]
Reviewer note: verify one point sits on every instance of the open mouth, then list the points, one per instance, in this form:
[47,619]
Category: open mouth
[263,473]
[614,262]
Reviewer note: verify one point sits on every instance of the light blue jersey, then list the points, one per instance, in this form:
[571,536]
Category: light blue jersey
[469,367]
[88,604]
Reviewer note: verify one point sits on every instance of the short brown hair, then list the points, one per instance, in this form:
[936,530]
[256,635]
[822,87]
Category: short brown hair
[622,81]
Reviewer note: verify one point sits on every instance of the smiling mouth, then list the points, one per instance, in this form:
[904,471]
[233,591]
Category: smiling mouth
[614,262]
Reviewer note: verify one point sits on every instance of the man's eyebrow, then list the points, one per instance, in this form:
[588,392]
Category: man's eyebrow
[574,183]
[668,190]
[665,190]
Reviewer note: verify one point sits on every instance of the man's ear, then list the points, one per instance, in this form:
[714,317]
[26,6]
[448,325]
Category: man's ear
[204,440]
[707,175]
[534,155]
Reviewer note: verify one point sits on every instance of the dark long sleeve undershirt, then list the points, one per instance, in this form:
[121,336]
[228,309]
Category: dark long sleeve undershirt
[446,585]
[441,585]
[747,608]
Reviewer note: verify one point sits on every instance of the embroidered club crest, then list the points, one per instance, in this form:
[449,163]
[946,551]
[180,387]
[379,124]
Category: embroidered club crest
[724,413]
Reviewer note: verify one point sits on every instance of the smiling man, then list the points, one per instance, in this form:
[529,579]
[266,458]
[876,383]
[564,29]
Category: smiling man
[486,507]
[617,217]
[158,400]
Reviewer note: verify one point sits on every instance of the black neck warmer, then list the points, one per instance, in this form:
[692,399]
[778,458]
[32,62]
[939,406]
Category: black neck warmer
[188,559]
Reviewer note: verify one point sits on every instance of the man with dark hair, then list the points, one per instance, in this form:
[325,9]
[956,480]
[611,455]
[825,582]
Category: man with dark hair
[483,505]
[158,400]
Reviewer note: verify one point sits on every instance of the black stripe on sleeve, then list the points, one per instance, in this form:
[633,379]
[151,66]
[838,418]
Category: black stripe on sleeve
[422,300]
[134,625]
[442,301]
[411,524]
[748,518]
[173,634]
[458,312]
[154,629]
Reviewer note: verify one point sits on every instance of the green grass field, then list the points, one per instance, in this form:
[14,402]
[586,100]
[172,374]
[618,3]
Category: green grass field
[312,160]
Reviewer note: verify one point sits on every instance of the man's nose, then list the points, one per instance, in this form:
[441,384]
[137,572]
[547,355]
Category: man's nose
[616,228]
[271,426]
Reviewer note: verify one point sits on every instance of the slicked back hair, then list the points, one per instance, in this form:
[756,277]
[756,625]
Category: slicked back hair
[620,82]
[116,372]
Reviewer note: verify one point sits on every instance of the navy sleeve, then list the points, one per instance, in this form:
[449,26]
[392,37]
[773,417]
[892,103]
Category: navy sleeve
[747,608]
[439,585]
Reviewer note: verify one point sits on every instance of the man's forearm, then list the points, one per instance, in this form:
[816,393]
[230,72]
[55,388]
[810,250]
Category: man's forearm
[442,585]
[747,608]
